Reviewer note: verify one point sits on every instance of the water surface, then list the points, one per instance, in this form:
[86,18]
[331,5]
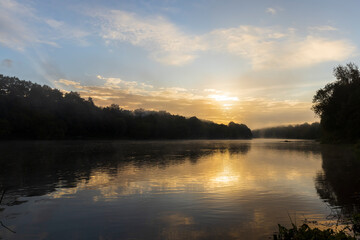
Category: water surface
[228,189]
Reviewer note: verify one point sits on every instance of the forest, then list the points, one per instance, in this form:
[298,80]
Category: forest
[32,111]
[299,131]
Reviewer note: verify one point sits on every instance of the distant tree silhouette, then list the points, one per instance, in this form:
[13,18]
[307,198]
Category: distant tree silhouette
[31,111]
[338,105]
[300,131]
[236,130]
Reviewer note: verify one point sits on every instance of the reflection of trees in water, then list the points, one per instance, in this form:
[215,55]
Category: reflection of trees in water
[339,183]
[306,146]
[38,168]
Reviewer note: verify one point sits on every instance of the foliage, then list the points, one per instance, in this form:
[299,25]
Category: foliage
[301,131]
[31,111]
[338,105]
[304,232]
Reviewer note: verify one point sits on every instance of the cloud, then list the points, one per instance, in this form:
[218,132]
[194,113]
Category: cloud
[131,86]
[61,30]
[209,104]
[323,28]
[21,27]
[309,51]
[264,47]
[272,11]
[15,32]
[7,63]
[165,42]
[69,83]
[268,48]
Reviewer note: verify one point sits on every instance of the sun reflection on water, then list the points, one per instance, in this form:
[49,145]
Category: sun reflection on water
[226,179]
[222,172]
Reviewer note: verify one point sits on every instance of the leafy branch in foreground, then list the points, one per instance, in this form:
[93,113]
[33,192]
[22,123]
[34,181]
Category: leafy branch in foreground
[305,232]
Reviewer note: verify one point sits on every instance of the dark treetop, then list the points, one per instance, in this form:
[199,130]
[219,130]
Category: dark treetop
[31,111]
[338,105]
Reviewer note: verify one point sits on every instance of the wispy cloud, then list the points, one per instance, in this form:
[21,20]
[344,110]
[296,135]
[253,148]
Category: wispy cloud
[7,63]
[323,28]
[272,11]
[69,83]
[62,30]
[15,32]
[165,42]
[21,27]
[132,87]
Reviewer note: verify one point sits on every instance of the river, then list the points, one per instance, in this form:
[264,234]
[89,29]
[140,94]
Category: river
[197,189]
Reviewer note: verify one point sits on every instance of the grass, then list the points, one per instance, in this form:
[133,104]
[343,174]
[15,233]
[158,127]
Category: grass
[305,232]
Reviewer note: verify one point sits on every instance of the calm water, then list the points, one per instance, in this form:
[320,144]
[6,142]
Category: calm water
[237,189]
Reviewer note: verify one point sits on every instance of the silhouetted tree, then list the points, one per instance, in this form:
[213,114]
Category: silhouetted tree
[338,105]
[238,130]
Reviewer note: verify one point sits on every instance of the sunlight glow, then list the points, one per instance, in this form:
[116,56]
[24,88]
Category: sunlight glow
[226,179]
[221,98]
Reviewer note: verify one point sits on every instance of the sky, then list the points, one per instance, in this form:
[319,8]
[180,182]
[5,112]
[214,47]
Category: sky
[252,62]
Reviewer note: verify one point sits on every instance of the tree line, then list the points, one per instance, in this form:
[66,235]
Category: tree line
[32,111]
[299,131]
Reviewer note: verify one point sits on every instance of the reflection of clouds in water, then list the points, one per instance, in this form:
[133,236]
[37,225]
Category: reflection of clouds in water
[177,225]
[175,233]
[177,218]
[223,172]
[210,174]
[293,174]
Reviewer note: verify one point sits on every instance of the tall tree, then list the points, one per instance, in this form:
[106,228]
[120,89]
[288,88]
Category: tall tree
[338,105]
